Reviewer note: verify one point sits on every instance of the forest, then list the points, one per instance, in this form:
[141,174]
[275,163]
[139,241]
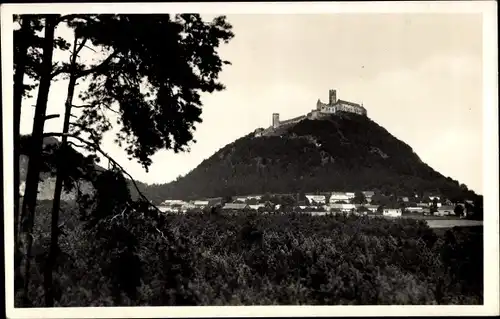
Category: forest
[257,259]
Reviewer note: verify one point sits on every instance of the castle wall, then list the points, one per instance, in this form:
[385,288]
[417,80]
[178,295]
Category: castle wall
[294,120]
[330,109]
[322,109]
[265,132]
[345,107]
[320,105]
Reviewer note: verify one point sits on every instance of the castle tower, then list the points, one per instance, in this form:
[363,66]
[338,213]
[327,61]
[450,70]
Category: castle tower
[276,120]
[318,105]
[332,97]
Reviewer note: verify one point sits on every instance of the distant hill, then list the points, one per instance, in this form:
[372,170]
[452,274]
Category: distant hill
[342,152]
[46,185]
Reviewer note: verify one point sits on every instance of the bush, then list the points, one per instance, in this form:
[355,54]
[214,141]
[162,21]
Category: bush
[264,259]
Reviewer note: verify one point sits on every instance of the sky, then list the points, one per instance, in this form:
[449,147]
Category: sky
[418,75]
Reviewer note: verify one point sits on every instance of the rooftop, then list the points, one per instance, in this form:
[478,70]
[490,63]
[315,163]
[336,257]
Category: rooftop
[235,206]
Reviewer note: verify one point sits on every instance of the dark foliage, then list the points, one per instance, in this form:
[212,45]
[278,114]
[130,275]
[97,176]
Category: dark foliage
[80,168]
[250,259]
[157,67]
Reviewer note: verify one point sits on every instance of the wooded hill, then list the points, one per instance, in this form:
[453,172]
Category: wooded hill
[345,152]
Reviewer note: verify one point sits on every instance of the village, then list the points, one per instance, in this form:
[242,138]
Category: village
[361,203]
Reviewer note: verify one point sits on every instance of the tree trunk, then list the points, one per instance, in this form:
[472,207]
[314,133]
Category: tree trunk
[20,57]
[33,176]
[61,174]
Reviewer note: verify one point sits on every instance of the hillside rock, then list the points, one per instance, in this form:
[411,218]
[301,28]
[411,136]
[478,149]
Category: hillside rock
[46,186]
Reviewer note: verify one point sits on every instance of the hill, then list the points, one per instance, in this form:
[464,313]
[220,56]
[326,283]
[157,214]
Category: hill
[341,152]
[76,160]
[46,186]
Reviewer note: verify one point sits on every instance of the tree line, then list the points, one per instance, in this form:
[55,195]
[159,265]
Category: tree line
[247,258]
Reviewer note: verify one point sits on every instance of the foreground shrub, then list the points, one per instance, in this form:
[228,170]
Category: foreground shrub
[256,259]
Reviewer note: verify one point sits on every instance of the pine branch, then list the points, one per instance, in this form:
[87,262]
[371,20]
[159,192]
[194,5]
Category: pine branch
[51,116]
[86,129]
[110,109]
[58,71]
[81,106]
[98,68]
[75,145]
[68,17]
[123,212]
[90,48]
[82,44]
[98,149]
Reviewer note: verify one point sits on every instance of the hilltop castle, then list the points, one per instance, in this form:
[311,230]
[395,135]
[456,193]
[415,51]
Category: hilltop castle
[322,109]
[335,105]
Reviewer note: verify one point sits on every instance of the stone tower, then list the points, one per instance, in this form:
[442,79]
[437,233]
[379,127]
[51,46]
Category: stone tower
[332,97]
[318,105]
[276,120]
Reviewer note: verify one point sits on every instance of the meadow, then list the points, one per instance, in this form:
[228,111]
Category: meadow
[255,259]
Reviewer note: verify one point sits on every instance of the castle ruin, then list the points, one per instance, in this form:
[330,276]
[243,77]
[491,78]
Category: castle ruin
[322,109]
[335,106]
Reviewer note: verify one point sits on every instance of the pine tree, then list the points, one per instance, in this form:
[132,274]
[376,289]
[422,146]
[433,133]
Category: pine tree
[171,105]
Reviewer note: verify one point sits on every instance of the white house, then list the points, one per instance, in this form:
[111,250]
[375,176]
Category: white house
[343,207]
[336,197]
[188,206]
[445,211]
[201,203]
[257,197]
[235,206]
[248,197]
[257,206]
[415,209]
[372,208]
[165,209]
[170,202]
[316,199]
[392,212]
[350,195]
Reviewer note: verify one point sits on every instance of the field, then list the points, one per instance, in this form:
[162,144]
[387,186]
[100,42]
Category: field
[429,217]
[252,259]
[444,223]
[432,221]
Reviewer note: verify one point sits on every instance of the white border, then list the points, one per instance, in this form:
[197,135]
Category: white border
[490,158]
